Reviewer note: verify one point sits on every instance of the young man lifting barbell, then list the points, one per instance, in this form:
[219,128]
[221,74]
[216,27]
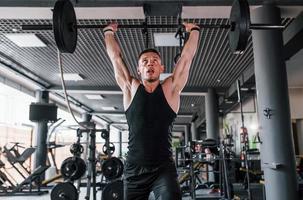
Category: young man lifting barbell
[150,108]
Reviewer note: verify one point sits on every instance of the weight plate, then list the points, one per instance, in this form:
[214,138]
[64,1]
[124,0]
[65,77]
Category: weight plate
[110,150]
[112,168]
[105,134]
[76,149]
[113,191]
[64,191]
[240,22]
[65,26]
[73,168]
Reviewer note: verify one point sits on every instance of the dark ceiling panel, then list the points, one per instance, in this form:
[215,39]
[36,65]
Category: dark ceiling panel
[92,3]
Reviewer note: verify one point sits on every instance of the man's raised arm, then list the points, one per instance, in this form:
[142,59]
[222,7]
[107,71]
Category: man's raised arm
[181,71]
[113,49]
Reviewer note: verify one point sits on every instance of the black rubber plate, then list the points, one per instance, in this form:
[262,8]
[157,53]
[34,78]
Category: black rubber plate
[63,191]
[240,22]
[65,26]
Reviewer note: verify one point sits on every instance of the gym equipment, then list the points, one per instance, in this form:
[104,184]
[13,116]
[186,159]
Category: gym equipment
[5,182]
[113,191]
[112,168]
[108,148]
[64,191]
[245,142]
[51,146]
[65,26]
[45,182]
[73,168]
[198,163]
[13,160]
[240,26]
[76,148]
[65,29]
[42,112]
[29,186]
[33,178]
[105,134]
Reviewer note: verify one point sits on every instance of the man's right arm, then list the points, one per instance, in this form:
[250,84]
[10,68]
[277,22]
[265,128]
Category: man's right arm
[113,49]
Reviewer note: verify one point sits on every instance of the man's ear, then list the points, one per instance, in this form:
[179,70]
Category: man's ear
[162,68]
[138,71]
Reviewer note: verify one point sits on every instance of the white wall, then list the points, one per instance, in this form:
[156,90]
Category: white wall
[232,123]
[296,103]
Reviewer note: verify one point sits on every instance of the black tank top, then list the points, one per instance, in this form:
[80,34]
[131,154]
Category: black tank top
[150,121]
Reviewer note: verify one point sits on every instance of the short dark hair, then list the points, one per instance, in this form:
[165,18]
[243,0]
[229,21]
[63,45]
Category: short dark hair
[149,50]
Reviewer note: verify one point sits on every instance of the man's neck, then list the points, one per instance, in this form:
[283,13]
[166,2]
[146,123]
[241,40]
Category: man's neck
[150,86]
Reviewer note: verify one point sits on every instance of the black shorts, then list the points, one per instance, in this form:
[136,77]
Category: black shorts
[139,181]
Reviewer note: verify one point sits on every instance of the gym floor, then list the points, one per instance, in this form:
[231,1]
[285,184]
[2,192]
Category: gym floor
[240,193]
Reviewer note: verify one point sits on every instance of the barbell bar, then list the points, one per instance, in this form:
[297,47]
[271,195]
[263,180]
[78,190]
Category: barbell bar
[65,26]
[151,26]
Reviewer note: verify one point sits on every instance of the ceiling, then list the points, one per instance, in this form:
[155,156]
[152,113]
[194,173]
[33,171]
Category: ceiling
[213,66]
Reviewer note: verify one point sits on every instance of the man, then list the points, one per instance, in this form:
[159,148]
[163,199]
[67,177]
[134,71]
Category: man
[150,109]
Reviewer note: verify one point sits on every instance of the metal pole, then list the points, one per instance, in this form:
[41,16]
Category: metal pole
[41,135]
[277,151]
[246,139]
[120,144]
[85,118]
[186,134]
[212,115]
[193,130]
[150,26]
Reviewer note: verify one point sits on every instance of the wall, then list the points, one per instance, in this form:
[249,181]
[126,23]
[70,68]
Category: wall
[232,123]
[296,103]
[233,119]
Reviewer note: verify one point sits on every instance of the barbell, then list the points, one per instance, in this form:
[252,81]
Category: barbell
[65,26]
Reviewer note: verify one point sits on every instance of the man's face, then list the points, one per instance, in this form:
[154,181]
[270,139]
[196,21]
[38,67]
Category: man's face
[150,67]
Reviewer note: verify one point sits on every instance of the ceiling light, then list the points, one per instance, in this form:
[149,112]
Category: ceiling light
[94,96]
[244,89]
[163,76]
[165,39]
[72,77]
[109,108]
[25,40]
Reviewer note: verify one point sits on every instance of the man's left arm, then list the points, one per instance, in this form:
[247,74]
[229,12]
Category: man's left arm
[181,71]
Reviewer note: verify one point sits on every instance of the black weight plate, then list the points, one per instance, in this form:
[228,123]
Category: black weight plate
[105,134]
[64,191]
[111,149]
[73,168]
[65,26]
[113,191]
[240,22]
[76,149]
[112,168]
